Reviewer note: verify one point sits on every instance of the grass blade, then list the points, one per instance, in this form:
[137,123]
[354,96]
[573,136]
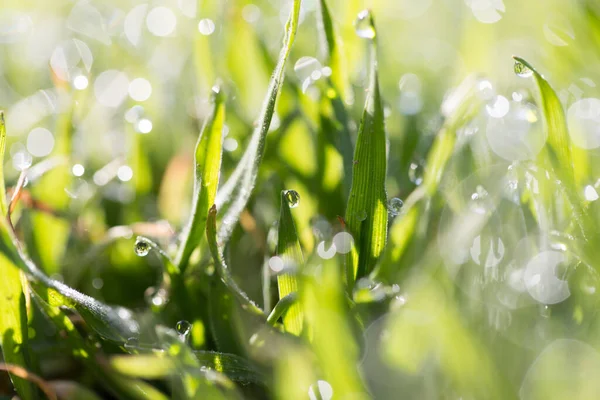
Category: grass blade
[235,193]
[13,325]
[221,266]
[157,366]
[331,47]
[282,306]
[206,177]
[288,249]
[366,215]
[555,124]
[111,323]
[13,313]
[557,156]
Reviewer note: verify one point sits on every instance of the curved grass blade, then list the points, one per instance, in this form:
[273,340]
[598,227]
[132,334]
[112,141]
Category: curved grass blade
[288,249]
[366,214]
[207,159]
[282,306]
[558,146]
[330,45]
[114,323]
[235,193]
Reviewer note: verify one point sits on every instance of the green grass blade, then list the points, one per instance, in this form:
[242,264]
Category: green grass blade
[157,366]
[366,214]
[288,249]
[282,306]
[331,48]
[206,177]
[50,241]
[13,325]
[557,156]
[555,124]
[13,313]
[221,266]
[236,192]
[3,204]
[109,322]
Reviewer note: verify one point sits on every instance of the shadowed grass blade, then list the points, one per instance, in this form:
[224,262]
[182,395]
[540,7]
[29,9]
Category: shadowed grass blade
[330,45]
[290,253]
[221,266]
[206,177]
[235,193]
[366,215]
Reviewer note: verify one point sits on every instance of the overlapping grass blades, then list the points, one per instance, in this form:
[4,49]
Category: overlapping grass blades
[207,159]
[366,214]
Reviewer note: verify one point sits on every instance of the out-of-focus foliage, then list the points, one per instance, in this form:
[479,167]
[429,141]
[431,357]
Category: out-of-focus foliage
[271,199]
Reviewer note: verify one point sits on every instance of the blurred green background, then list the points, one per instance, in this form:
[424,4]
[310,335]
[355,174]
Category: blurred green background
[115,93]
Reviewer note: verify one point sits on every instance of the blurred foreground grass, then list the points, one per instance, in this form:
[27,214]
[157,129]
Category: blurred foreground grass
[411,213]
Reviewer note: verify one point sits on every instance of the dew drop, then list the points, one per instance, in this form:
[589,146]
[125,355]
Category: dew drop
[183,328]
[364,25]
[394,206]
[361,215]
[522,70]
[142,247]
[132,342]
[343,242]
[415,173]
[292,197]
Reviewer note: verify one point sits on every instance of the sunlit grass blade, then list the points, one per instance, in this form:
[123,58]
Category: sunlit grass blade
[366,215]
[158,366]
[555,123]
[324,303]
[195,381]
[13,325]
[282,306]
[206,177]
[557,156]
[112,323]
[235,193]
[290,253]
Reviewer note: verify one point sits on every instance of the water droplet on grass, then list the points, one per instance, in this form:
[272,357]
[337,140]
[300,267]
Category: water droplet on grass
[343,242]
[522,70]
[142,247]
[361,215]
[415,173]
[292,197]
[364,25]
[183,328]
[394,206]
[132,342]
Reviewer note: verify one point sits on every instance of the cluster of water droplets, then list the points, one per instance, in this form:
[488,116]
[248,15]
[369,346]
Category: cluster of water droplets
[309,71]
